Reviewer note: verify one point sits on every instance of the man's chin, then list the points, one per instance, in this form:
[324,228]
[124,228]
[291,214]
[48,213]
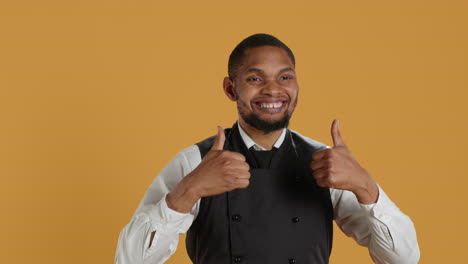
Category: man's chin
[267,125]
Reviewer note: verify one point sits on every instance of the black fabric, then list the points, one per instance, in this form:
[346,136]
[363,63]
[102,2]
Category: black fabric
[262,157]
[282,217]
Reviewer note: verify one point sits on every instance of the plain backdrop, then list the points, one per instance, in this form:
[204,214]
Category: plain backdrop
[96,97]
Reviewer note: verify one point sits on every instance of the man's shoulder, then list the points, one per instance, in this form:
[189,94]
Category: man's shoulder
[190,150]
[194,151]
[311,143]
[191,155]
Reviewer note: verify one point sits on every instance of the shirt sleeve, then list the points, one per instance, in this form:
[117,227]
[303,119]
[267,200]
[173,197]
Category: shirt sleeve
[389,234]
[153,215]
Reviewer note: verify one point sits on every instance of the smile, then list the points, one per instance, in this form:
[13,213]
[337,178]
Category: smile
[271,105]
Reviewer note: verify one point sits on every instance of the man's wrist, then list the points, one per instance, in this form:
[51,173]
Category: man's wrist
[368,193]
[182,198]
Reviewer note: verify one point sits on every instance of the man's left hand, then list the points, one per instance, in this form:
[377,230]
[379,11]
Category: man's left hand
[336,168]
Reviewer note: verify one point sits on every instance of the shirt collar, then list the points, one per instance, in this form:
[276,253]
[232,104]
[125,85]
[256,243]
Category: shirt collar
[249,142]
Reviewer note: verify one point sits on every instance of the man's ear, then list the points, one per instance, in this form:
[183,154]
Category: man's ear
[229,89]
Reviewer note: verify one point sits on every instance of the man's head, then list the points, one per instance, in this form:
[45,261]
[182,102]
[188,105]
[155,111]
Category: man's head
[262,80]
[257,40]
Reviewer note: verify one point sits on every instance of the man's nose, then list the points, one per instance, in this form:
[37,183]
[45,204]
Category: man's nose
[272,87]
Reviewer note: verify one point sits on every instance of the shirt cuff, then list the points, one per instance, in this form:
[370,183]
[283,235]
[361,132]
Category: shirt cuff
[369,207]
[165,218]
[383,209]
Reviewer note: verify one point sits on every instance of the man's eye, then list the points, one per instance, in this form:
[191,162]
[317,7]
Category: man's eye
[286,77]
[253,79]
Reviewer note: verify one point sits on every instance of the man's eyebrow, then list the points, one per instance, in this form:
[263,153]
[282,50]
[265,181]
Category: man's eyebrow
[287,69]
[254,70]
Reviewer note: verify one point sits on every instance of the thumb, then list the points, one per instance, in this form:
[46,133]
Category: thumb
[336,135]
[220,138]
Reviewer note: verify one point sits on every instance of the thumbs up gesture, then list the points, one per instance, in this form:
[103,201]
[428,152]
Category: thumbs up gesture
[220,171]
[336,168]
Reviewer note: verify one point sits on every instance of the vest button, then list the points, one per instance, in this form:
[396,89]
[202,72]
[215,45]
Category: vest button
[238,259]
[292,261]
[295,219]
[236,218]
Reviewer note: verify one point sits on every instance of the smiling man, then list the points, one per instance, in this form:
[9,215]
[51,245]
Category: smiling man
[261,193]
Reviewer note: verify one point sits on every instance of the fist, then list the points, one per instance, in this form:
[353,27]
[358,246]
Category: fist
[336,168]
[220,170]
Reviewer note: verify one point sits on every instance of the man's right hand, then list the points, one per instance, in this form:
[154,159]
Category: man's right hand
[220,171]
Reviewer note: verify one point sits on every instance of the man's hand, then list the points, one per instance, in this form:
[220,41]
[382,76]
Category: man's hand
[220,171]
[336,168]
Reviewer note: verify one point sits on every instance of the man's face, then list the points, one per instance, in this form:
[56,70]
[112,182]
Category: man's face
[265,88]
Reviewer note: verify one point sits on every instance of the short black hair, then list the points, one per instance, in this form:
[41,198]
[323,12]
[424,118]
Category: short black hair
[256,40]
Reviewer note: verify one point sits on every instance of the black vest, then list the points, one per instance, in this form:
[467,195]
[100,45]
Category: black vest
[282,217]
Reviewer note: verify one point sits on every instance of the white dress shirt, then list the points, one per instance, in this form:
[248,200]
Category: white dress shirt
[381,227]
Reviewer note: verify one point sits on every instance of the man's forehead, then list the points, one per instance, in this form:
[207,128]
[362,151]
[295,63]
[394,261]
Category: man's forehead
[260,58]
[257,54]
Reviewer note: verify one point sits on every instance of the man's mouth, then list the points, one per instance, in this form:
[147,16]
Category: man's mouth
[270,106]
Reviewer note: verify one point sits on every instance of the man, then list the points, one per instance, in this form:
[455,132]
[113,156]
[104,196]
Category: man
[261,193]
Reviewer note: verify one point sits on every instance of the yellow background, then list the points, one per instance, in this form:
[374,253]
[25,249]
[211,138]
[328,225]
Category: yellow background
[97,96]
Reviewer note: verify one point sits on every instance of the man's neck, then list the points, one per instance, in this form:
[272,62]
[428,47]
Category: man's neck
[266,140]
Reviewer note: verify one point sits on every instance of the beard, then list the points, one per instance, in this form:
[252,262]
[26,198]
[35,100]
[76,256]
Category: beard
[266,126]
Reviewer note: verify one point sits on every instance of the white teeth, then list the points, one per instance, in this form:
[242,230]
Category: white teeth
[274,105]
